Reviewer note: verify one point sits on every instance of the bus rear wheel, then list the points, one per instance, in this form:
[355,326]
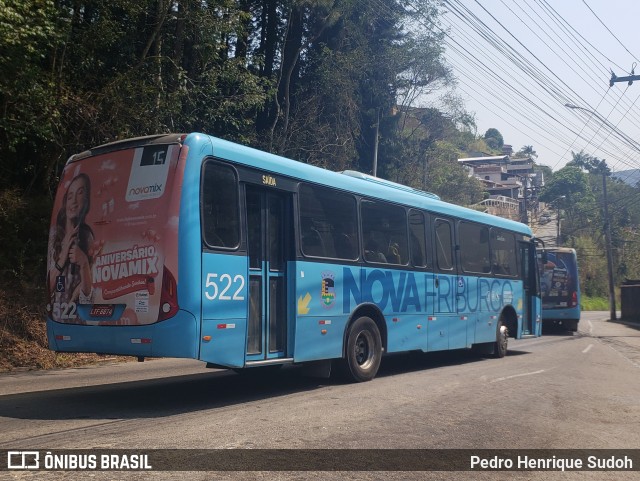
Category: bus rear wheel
[502,339]
[364,351]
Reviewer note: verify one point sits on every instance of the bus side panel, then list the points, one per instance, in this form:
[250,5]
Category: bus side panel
[225,296]
[473,305]
[484,300]
[322,309]
[468,303]
[444,312]
[536,302]
[400,297]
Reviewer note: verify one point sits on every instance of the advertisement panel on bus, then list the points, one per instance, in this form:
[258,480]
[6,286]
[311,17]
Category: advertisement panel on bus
[560,287]
[112,246]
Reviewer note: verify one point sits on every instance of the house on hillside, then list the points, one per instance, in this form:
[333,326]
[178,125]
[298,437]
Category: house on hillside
[515,179]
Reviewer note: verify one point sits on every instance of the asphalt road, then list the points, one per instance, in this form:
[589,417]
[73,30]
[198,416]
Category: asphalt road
[560,391]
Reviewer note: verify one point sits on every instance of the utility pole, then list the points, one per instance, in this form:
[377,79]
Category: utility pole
[525,216]
[602,168]
[557,226]
[629,78]
[607,233]
[556,203]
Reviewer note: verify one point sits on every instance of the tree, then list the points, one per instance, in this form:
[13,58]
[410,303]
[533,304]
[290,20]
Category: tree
[591,164]
[494,139]
[28,122]
[527,151]
[449,180]
[579,203]
[591,265]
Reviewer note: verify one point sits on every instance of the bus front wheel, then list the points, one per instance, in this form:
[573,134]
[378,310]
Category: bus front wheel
[364,351]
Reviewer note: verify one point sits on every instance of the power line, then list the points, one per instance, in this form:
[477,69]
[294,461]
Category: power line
[548,121]
[608,29]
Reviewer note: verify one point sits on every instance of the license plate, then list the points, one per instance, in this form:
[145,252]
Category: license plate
[101,311]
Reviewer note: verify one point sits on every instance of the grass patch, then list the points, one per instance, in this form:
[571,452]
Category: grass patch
[594,303]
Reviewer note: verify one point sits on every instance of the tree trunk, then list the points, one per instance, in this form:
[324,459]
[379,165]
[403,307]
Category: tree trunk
[162,11]
[292,47]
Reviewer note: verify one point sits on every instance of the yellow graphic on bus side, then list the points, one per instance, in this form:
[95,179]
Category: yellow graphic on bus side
[303,304]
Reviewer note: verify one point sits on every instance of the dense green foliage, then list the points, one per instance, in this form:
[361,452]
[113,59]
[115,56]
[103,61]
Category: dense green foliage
[494,139]
[315,80]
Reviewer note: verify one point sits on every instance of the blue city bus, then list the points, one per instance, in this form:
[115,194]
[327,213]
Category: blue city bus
[190,246]
[560,287]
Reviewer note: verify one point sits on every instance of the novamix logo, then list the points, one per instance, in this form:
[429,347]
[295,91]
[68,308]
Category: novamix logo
[149,189]
[149,171]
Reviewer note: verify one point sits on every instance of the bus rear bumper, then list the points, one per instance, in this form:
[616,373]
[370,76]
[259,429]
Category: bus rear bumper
[175,337]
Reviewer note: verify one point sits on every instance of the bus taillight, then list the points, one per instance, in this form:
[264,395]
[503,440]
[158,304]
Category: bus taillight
[169,296]
[574,299]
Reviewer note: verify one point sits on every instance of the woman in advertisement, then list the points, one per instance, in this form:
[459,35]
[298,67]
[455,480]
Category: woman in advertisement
[69,277]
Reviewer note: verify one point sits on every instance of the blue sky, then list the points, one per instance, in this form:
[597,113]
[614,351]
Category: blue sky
[518,62]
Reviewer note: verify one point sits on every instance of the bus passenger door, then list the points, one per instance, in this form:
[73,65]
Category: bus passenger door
[530,289]
[443,324]
[270,231]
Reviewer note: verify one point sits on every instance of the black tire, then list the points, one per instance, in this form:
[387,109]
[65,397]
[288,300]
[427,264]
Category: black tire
[502,339]
[364,351]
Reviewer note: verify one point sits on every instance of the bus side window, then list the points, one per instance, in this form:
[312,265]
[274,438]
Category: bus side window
[312,243]
[384,226]
[345,248]
[417,240]
[474,247]
[328,220]
[444,242]
[372,252]
[504,258]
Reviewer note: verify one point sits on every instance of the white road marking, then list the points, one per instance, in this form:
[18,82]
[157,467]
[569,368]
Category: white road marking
[587,349]
[518,375]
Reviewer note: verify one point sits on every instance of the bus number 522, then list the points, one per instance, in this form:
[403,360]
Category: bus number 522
[221,287]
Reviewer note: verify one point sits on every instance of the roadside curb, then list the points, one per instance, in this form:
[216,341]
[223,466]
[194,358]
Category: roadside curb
[635,324]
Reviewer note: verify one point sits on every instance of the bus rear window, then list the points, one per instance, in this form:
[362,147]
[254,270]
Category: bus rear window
[220,211]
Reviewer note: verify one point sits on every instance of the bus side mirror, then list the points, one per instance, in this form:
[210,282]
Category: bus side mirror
[541,252]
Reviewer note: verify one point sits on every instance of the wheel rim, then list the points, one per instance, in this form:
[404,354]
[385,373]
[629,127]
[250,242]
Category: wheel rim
[504,336]
[363,349]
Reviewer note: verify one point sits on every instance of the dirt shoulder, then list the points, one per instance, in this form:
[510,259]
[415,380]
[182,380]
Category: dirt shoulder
[23,334]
